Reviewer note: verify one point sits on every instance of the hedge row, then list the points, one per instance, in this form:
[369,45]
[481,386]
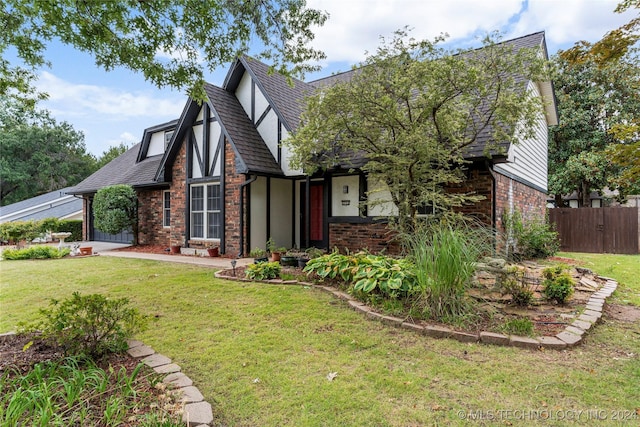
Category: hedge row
[16,231]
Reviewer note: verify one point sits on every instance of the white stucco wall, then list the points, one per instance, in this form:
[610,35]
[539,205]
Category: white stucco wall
[281,214]
[156,144]
[338,185]
[258,222]
[379,192]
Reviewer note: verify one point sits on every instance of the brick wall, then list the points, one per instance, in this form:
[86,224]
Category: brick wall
[178,234]
[512,194]
[478,183]
[232,190]
[375,237]
[150,219]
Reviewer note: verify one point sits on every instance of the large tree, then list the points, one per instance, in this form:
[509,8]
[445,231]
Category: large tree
[169,42]
[598,91]
[37,154]
[412,109]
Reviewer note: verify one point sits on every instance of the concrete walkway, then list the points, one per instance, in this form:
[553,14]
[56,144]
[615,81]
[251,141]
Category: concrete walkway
[107,249]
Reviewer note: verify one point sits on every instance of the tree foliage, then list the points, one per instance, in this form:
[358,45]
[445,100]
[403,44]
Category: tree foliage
[115,209]
[412,109]
[111,153]
[37,154]
[169,42]
[597,88]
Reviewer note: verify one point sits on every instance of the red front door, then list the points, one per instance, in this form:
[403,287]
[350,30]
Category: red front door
[316,213]
[313,215]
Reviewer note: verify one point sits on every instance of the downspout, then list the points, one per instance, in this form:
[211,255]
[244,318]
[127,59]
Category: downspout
[244,184]
[493,203]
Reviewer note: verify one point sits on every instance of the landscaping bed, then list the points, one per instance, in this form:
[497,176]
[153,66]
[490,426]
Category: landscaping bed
[494,308]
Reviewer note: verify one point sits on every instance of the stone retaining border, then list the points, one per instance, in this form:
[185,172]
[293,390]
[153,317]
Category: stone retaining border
[571,336]
[196,411]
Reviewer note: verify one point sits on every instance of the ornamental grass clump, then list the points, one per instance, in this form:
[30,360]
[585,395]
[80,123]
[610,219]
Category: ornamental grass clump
[445,255]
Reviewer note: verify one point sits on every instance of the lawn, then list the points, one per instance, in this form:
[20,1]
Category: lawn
[624,268]
[261,354]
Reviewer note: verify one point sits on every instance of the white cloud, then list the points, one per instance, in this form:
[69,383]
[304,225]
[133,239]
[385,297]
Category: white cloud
[354,26]
[569,21]
[83,100]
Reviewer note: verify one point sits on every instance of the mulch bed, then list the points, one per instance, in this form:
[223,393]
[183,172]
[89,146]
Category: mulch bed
[19,353]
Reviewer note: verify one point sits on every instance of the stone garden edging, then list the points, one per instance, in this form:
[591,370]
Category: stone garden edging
[196,411]
[571,336]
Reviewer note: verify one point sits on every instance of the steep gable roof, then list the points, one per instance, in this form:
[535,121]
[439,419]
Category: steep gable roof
[477,150]
[252,152]
[124,169]
[285,95]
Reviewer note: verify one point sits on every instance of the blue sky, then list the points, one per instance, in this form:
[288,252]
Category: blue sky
[113,107]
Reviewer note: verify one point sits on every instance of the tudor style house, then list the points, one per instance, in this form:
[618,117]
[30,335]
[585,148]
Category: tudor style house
[220,175]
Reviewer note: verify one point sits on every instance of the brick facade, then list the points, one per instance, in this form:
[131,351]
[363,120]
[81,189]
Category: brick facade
[374,237]
[150,219]
[511,194]
[232,188]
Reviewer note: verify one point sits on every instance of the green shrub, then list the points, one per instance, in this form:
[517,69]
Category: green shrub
[445,256]
[534,239]
[17,231]
[89,325]
[559,288]
[522,326]
[263,270]
[73,226]
[35,252]
[392,278]
[513,283]
[332,266]
[115,209]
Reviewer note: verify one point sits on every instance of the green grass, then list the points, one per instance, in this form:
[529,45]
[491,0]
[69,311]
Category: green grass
[623,268]
[261,354]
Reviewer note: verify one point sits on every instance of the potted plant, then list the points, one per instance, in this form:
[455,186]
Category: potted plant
[309,253]
[258,255]
[213,251]
[290,258]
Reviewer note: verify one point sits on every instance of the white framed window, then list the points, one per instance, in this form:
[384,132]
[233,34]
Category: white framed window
[166,209]
[206,217]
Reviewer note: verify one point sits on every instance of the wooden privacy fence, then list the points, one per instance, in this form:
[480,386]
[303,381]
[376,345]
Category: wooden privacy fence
[597,230]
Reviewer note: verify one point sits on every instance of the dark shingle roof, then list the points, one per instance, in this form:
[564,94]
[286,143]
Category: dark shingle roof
[121,170]
[56,204]
[252,152]
[477,150]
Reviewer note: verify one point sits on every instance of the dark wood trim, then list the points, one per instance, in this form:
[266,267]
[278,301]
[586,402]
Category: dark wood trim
[219,149]
[205,140]
[268,207]
[293,214]
[204,180]
[362,196]
[354,220]
[263,115]
[279,142]
[187,198]
[194,147]
[199,122]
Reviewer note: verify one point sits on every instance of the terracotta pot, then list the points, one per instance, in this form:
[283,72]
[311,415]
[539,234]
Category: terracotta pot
[275,256]
[213,252]
[86,251]
[175,249]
